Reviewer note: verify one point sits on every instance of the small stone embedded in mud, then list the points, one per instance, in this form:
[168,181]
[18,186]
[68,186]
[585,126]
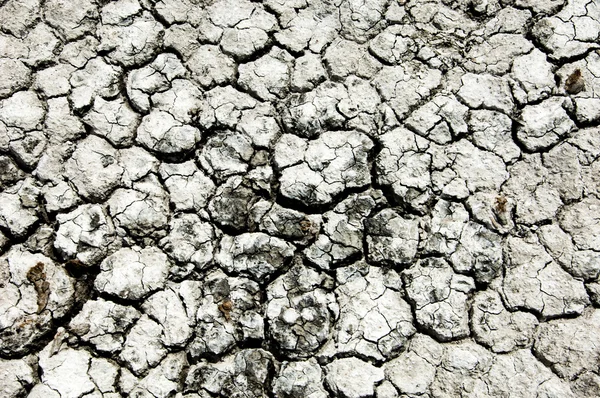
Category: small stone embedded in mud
[37,276]
[575,82]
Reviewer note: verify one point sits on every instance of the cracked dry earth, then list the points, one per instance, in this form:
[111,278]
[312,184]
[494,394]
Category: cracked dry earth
[299,198]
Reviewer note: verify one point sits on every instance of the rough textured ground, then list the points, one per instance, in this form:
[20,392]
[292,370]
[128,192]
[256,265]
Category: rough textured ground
[299,198]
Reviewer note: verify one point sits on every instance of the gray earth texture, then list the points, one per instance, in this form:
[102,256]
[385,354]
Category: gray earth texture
[299,198]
